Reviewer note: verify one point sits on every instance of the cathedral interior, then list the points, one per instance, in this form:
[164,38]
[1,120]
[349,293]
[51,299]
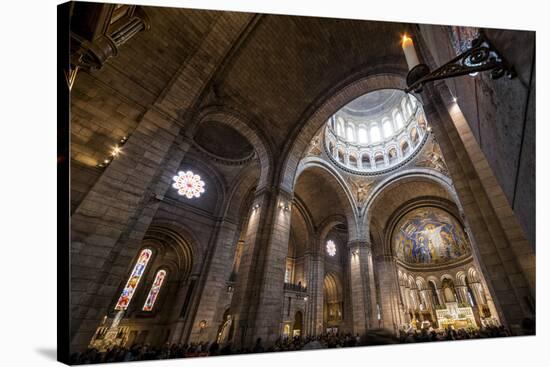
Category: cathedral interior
[237,176]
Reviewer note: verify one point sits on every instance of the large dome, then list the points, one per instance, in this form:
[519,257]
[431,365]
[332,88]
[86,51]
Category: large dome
[429,236]
[376,131]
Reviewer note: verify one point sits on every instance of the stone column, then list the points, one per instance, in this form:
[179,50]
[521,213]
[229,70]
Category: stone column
[505,257]
[479,295]
[180,311]
[218,271]
[426,299]
[258,297]
[393,312]
[462,293]
[361,280]
[315,291]
[357,289]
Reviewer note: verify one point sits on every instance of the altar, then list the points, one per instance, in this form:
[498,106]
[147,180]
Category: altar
[455,316]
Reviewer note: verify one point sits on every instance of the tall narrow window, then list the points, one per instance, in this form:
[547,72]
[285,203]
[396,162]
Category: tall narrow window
[388,129]
[375,134]
[340,129]
[399,120]
[154,292]
[133,281]
[350,133]
[362,135]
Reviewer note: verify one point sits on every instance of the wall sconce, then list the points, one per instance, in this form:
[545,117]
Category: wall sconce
[115,152]
[229,288]
[305,298]
[283,206]
[355,252]
[202,325]
[255,207]
[481,56]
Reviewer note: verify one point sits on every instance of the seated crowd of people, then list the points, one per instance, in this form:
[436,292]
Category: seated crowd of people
[327,340]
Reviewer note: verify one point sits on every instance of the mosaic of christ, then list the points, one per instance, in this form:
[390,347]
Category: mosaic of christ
[429,236]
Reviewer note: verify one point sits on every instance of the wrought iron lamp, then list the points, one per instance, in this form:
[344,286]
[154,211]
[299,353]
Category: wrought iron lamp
[481,56]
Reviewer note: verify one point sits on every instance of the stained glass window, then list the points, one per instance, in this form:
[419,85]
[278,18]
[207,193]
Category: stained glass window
[188,184]
[331,248]
[154,292]
[133,281]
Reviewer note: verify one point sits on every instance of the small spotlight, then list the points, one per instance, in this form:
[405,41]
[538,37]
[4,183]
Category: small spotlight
[305,299]
[106,161]
[454,99]
[116,151]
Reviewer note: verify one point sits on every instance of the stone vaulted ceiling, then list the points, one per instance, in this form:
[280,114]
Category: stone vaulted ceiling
[278,68]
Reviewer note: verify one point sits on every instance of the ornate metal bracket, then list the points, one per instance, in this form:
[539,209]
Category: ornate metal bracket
[481,56]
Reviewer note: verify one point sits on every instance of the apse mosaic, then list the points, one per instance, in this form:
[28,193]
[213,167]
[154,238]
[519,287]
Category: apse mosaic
[429,236]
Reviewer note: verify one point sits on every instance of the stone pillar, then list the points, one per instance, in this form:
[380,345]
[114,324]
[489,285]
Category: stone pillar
[184,298]
[505,257]
[315,292]
[257,301]
[479,294]
[361,280]
[426,299]
[213,287]
[357,290]
[393,312]
[462,294]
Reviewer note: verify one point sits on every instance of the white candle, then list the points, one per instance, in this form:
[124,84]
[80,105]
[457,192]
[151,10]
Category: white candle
[410,52]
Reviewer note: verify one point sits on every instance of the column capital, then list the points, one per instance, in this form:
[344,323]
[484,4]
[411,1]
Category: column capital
[354,244]
[275,191]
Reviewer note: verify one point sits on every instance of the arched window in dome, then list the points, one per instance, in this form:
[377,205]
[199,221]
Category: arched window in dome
[408,105]
[404,108]
[413,102]
[365,160]
[350,133]
[398,119]
[404,147]
[133,281]
[414,136]
[352,160]
[340,155]
[379,160]
[392,155]
[154,291]
[340,127]
[388,128]
[362,135]
[375,134]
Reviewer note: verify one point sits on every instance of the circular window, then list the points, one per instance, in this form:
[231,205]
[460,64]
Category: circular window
[376,132]
[331,248]
[188,184]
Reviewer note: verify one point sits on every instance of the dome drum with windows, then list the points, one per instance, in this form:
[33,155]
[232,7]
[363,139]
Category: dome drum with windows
[376,131]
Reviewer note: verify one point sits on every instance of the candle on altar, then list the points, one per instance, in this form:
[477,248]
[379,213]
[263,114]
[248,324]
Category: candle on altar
[410,52]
